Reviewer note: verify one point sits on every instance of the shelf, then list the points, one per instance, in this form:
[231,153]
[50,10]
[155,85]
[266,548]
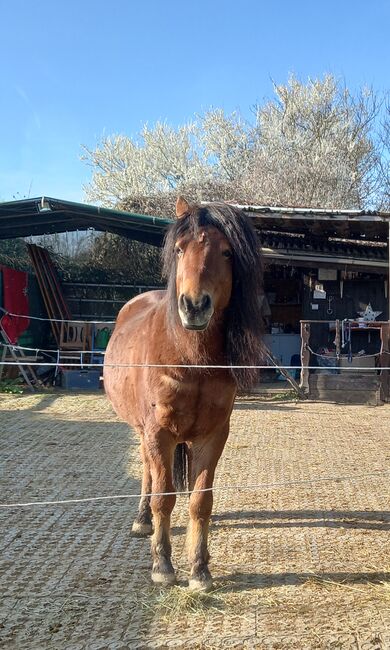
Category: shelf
[355,328]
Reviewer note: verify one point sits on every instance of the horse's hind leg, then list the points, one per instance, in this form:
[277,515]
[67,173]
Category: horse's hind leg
[204,461]
[142,525]
[159,447]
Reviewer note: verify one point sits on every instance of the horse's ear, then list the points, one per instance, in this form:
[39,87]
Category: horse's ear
[182,207]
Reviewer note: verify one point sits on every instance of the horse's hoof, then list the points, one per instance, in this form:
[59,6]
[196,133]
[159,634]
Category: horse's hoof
[200,584]
[141,530]
[164,579]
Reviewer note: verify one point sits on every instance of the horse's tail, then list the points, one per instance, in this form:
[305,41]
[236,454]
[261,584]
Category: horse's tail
[181,467]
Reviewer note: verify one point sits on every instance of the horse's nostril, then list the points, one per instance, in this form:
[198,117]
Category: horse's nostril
[189,306]
[206,302]
[185,303]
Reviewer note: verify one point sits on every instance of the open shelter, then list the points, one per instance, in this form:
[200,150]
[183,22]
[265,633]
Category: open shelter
[326,283]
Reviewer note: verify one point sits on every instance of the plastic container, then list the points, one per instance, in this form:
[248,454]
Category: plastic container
[80,379]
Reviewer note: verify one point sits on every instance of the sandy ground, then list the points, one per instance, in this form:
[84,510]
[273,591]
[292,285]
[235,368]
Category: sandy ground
[302,563]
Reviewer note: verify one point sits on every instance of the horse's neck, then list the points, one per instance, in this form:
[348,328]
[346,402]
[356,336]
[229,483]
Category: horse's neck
[199,348]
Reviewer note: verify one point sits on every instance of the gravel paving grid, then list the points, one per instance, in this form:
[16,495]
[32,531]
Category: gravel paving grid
[304,566]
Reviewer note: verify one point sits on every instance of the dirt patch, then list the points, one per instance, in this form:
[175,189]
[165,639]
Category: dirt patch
[300,562]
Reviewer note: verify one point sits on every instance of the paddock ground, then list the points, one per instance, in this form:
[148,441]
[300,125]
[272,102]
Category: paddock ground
[295,566]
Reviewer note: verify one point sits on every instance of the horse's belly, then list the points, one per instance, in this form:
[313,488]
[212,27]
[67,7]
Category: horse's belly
[121,390]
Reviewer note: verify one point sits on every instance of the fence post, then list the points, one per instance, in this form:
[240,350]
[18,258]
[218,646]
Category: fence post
[337,342]
[305,356]
[384,361]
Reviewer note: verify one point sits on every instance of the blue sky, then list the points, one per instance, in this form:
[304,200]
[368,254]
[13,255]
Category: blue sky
[74,70]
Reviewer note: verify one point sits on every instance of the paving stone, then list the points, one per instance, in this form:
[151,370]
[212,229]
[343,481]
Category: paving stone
[300,564]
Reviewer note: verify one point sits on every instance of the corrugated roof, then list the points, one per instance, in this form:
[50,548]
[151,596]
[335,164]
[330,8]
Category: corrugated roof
[349,224]
[311,211]
[46,215]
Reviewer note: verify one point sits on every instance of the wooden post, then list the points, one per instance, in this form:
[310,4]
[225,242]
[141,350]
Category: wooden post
[388,277]
[305,357]
[337,343]
[385,335]
[384,360]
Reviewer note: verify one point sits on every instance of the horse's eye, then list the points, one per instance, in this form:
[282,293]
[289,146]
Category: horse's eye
[227,254]
[178,251]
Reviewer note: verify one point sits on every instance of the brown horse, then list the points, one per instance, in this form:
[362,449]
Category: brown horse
[209,315]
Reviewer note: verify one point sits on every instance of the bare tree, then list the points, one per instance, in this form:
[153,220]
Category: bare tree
[204,159]
[161,160]
[384,195]
[315,146]
[312,145]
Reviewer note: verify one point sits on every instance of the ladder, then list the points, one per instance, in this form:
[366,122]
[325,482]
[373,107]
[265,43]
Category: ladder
[20,359]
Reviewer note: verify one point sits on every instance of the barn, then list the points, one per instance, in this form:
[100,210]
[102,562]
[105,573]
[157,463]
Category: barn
[327,288]
[325,294]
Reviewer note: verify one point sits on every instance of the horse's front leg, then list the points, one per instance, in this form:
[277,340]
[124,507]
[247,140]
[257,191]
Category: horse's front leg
[159,449]
[142,525]
[205,456]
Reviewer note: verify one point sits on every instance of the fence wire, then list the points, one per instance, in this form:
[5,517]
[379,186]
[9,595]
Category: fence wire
[56,320]
[217,488]
[22,361]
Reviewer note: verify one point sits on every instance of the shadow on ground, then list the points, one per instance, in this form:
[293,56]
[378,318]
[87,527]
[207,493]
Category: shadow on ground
[247,581]
[288,405]
[366,520]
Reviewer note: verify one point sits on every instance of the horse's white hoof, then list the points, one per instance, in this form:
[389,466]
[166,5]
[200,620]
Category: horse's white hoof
[166,579]
[141,530]
[195,584]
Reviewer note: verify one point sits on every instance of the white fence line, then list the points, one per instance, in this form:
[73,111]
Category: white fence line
[217,488]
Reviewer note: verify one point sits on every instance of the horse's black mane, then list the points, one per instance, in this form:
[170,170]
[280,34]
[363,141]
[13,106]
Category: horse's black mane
[244,322]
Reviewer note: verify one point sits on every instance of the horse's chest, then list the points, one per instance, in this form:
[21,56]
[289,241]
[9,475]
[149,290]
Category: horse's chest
[192,407]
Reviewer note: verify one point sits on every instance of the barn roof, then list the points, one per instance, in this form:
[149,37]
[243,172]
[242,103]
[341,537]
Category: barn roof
[349,224]
[46,215]
[287,234]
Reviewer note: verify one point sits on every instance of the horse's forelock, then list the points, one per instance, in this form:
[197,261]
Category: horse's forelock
[231,221]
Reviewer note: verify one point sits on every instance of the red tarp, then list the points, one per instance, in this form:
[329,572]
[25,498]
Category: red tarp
[15,300]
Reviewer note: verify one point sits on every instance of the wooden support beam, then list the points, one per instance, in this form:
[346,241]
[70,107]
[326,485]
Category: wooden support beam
[305,357]
[384,362]
[337,342]
[388,276]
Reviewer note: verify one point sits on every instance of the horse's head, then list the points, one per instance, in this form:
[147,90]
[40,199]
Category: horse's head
[212,263]
[203,271]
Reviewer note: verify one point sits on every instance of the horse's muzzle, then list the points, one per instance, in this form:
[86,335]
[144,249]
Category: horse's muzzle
[195,314]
